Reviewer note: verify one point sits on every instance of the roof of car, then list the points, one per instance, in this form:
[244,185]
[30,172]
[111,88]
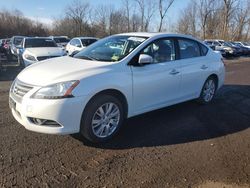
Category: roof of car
[85,38]
[58,37]
[153,34]
[38,38]
[18,36]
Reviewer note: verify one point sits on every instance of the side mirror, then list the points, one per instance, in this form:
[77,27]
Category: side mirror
[145,59]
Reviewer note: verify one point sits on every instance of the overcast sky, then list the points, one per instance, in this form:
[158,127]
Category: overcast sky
[46,10]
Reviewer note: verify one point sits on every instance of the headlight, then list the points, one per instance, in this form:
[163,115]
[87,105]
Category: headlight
[30,57]
[56,91]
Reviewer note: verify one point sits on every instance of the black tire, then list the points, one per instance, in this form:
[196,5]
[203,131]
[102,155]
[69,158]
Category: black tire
[202,99]
[88,114]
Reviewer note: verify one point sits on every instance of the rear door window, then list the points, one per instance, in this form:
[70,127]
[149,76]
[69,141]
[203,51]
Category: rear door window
[189,48]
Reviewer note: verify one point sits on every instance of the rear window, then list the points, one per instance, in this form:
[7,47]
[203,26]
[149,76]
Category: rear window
[87,42]
[204,50]
[36,43]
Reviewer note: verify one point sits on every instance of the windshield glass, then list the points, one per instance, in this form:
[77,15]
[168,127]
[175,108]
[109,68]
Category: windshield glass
[61,40]
[208,42]
[246,44]
[227,44]
[18,40]
[111,49]
[35,43]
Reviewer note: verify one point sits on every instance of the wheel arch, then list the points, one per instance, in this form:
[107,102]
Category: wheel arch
[216,78]
[113,92]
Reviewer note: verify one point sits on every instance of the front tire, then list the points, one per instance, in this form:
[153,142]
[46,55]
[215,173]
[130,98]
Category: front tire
[208,91]
[102,118]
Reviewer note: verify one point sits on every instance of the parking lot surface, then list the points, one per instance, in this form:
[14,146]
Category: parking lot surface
[186,145]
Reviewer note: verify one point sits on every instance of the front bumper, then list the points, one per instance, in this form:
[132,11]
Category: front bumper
[66,112]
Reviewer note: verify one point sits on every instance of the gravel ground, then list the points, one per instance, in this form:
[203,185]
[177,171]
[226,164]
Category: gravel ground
[186,145]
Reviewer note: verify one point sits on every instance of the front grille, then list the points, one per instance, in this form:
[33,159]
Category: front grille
[40,58]
[19,89]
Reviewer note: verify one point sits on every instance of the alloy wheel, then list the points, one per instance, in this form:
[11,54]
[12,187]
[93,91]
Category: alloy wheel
[105,120]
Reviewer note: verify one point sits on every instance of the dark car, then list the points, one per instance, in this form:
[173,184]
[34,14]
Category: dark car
[237,50]
[215,48]
[15,41]
[245,50]
[5,43]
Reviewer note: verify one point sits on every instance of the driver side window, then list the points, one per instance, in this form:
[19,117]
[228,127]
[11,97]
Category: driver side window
[161,50]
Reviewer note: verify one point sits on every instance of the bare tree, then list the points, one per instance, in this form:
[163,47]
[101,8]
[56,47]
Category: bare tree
[14,23]
[205,9]
[147,10]
[241,19]
[228,10]
[164,6]
[188,23]
[77,11]
[141,4]
[128,6]
[150,10]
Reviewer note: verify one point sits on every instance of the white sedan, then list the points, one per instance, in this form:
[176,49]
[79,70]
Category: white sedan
[77,44]
[34,49]
[116,78]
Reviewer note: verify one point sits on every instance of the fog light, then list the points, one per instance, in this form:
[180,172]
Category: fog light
[38,121]
[44,122]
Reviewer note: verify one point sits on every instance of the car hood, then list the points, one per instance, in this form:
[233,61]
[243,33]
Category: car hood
[61,69]
[50,51]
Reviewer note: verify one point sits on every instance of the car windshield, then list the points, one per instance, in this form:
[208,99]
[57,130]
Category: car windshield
[246,44]
[37,43]
[208,42]
[18,40]
[237,44]
[61,39]
[227,44]
[111,49]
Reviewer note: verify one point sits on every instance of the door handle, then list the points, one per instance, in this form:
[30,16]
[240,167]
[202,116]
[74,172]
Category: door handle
[204,67]
[174,72]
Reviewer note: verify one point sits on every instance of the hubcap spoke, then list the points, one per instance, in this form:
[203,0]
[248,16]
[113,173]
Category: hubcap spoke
[110,106]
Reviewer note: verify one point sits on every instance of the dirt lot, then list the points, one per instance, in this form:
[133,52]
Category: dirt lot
[186,145]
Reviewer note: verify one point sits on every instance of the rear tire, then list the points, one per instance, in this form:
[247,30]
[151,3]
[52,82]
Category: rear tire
[208,91]
[102,118]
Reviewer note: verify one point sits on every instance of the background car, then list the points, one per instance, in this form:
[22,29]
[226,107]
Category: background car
[34,49]
[215,48]
[6,43]
[220,44]
[245,50]
[77,44]
[14,42]
[244,44]
[61,41]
